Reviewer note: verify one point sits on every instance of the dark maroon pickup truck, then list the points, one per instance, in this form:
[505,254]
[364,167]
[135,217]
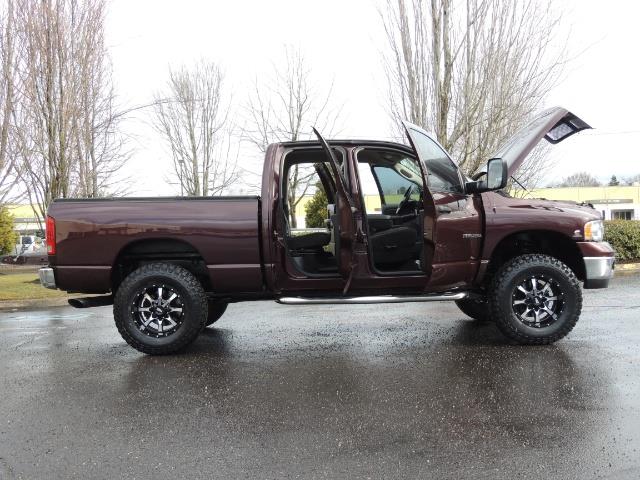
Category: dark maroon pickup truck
[402,224]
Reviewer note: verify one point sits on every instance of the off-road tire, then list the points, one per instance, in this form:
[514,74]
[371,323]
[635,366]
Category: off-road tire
[194,301]
[506,280]
[216,310]
[476,309]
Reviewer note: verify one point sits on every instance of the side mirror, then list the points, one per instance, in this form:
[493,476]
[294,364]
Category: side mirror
[497,174]
[495,178]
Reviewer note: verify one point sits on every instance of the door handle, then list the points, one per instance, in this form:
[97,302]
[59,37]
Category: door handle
[444,209]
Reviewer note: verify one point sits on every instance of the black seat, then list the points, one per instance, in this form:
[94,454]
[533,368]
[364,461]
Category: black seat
[394,247]
[309,241]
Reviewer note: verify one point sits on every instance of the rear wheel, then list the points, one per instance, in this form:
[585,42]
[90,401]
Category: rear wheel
[475,308]
[216,310]
[160,308]
[535,299]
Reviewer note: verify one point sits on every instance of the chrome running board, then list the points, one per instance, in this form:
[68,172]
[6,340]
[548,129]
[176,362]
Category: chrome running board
[373,299]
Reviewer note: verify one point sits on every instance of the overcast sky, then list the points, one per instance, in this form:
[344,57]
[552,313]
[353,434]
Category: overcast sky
[342,41]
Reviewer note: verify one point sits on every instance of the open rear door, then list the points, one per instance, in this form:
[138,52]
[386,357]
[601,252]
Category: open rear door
[344,216]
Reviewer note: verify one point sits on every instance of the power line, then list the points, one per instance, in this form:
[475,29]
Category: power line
[621,132]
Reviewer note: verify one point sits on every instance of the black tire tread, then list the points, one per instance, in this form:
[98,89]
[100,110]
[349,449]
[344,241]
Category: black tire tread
[498,289]
[189,281]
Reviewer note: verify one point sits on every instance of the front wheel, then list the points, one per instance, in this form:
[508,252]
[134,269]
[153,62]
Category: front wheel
[535,299]
[160,308]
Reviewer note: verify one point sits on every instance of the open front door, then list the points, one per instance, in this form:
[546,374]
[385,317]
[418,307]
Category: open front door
[344,216]
[420,142]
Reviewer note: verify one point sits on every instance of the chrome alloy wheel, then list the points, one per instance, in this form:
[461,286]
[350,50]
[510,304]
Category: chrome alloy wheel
[158,311]
[538,301]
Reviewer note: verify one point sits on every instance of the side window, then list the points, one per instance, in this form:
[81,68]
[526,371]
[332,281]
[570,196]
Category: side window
[442,172]
[394,185]
[385,177]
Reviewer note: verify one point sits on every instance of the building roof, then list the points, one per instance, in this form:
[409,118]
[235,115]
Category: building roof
[596,195]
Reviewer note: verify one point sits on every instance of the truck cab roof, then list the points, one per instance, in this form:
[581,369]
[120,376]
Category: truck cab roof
[346,142]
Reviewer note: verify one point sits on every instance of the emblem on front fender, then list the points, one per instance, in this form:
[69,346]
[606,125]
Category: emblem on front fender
[471,235]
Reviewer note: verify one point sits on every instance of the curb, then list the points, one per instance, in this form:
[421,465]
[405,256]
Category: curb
[627,267]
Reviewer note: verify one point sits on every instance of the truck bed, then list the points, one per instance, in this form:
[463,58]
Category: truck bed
[92,233]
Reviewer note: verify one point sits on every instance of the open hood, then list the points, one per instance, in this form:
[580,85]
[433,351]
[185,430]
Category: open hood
[554,124]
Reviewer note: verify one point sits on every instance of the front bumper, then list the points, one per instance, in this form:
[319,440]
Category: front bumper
[47,277]
[599,269]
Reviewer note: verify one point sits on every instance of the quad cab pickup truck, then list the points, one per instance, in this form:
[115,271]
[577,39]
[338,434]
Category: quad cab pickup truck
[403,224]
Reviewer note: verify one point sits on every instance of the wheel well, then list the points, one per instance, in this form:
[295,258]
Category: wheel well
[538,241]
[164,250]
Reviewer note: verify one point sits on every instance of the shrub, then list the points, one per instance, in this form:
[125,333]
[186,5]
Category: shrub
[624,237]
[316,209]
[8,236]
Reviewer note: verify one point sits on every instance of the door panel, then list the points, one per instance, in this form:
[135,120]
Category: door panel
[458,220]
[344,215]
[429,217]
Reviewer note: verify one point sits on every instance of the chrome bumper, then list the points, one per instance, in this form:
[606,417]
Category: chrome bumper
[47,278]
[598,271]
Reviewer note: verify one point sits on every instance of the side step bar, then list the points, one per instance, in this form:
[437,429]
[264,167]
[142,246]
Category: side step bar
[373,299]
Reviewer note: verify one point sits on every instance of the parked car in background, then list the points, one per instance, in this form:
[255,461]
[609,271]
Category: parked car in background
[29,243]
[25,244]
[172,265]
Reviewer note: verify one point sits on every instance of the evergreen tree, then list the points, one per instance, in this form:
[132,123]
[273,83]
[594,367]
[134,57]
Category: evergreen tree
[8,236]
[316,209]
[614,181]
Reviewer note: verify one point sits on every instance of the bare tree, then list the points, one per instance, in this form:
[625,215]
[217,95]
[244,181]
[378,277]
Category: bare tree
[632,180]
[64,119]
[193,119]
[100,146]
[284,108]
[580,179]
[472,71]
[8,176]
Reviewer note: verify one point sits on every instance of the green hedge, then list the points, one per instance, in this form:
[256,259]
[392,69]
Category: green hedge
[624,237]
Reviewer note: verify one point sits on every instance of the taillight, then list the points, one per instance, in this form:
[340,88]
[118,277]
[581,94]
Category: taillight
[50,231]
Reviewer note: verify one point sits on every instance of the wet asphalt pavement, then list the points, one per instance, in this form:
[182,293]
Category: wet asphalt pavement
[386,391]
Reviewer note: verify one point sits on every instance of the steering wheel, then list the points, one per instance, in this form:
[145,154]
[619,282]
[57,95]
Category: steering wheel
[405,199]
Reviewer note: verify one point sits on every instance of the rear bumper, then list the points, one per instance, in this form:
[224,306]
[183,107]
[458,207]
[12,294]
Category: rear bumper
[599,264]
[47,277]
